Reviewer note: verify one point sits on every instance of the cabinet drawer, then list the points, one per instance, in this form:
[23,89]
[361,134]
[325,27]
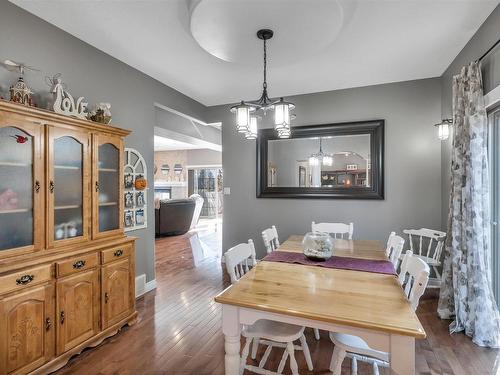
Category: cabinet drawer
[76,264]
[119,252]
[22,279]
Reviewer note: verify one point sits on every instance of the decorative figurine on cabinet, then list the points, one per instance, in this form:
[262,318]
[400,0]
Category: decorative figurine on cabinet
[64,102]
[20,92]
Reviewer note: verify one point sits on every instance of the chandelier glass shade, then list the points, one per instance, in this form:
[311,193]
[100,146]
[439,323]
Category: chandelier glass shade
[242,112]
[320,157]
[252,129]
[282,114]
[247,120]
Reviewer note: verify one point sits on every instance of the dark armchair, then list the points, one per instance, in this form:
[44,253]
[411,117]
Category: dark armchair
[173,216]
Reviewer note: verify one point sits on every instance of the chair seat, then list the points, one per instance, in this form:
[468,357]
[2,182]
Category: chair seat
[357,345]
[275,331]
[429,261]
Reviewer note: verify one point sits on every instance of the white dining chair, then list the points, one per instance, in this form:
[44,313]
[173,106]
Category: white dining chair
[239,260]
[428,244]
[414,276]
[270,238]
[394,249]
[337,230]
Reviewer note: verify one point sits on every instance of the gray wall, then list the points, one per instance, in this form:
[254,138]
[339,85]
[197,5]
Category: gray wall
[100,78]
[412,166]
[485,37]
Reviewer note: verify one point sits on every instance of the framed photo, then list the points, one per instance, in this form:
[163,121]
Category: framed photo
[139,199]
[139,217]
[129,218]
[129,181]
[129,200]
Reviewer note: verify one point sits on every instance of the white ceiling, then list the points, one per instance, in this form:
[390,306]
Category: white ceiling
[167,144]
[319,45]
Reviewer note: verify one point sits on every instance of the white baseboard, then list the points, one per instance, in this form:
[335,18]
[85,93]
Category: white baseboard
[150,285]
[142,287]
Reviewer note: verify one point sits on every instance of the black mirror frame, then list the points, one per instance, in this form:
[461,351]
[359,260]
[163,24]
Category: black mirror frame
[373,127]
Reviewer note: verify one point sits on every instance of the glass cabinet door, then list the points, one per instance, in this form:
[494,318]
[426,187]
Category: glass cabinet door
[20,188]
[68,183]
[108,169]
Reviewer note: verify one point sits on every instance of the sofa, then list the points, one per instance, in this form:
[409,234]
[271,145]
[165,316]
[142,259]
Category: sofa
[174,217]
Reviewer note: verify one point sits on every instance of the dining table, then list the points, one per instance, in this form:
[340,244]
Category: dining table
[370,305]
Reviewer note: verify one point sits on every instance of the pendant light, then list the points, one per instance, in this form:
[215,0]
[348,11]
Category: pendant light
[444,128]
[247,120]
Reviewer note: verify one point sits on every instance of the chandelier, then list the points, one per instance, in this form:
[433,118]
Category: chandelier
[247,112]
[321,158]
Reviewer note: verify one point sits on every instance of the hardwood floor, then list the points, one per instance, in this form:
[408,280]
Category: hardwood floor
[178,331]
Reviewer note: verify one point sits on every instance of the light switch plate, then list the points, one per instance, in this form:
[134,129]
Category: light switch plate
[227,191]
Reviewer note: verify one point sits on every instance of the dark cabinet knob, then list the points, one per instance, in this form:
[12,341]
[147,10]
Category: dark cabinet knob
[118,253]
[79,264]
[62,317]
[106,297]
[25,279]
[37,186]
[48,324]
[52,186]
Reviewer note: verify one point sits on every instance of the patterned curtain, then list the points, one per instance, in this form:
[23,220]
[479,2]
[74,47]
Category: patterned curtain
[466,295]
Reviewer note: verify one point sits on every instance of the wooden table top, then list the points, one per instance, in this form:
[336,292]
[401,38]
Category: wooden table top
[359,299]
[365,249]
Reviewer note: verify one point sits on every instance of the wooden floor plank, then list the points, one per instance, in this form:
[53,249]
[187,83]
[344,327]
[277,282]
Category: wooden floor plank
[179,330]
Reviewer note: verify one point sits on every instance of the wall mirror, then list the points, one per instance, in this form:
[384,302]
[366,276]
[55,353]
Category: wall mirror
[344,160]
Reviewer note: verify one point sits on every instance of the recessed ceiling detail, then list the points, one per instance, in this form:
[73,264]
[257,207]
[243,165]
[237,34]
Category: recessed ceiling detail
[226,29]
[318,45]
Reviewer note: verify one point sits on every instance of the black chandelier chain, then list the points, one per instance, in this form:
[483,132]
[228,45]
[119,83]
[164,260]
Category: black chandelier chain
[264,85]
[264,102]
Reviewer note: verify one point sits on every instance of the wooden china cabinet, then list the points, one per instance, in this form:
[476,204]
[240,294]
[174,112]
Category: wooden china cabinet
[67,277]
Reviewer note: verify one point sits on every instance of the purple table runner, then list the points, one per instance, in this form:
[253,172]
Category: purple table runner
[344,263]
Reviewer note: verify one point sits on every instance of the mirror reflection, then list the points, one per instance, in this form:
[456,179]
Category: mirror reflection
[341,161]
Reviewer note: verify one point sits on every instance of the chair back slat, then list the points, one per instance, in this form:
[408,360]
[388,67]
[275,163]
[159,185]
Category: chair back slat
[270,238]
[414,276]
[429,248]
[336,230]
[394,248]
[239,260]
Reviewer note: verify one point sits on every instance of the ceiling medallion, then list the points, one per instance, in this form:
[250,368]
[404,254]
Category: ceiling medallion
[247,112]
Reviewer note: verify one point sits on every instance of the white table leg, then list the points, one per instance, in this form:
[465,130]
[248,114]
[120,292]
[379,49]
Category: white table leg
[402,355]
[232,330]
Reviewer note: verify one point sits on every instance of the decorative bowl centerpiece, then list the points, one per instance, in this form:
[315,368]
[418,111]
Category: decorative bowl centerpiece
[317,246]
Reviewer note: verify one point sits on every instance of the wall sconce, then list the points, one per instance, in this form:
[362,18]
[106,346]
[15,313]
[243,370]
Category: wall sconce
[165,169]
[444,128]
[177,169]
